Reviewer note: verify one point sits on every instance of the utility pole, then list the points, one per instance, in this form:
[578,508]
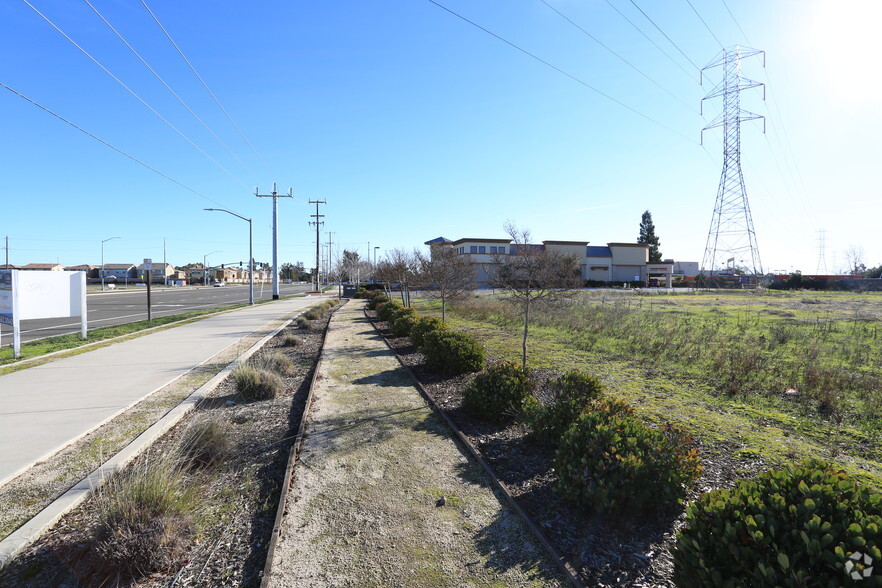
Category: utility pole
[275,196]
[7,252]
[318,225]
[731,233]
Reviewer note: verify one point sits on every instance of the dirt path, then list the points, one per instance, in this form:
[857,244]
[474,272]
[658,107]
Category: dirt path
[383,496]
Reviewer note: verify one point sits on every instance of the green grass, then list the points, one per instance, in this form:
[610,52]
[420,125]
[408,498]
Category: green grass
[712,362]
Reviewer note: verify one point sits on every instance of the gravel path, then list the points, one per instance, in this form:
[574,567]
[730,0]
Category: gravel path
[382,494]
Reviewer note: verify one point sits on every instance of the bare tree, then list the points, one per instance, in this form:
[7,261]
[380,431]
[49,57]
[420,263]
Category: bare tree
[398,268]
[530,275]
[445,275]
[854,257]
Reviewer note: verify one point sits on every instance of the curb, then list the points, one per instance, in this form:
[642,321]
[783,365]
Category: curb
[30,531]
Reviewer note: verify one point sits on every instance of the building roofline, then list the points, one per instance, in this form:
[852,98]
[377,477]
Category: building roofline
[579,243]
[642,245]
[474,240]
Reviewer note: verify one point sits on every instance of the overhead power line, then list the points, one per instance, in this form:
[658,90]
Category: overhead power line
[628,63]
[705,24]
[207,89]
[106,144]
[167,87]
[743,34]
[561,71]
[133,93]
[677,47]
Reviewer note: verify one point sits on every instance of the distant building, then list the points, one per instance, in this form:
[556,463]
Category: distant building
[42,267]
[615,262]
[160,274]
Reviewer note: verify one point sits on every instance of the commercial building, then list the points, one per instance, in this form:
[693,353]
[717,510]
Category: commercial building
[614,262]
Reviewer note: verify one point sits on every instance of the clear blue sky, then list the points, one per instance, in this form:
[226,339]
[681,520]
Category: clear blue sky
[413,124]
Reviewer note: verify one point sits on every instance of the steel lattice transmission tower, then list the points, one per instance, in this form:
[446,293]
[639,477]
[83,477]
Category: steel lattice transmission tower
[731,238]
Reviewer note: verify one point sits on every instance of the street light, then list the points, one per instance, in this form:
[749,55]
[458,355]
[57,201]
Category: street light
[205,267]
[102,258]
[250,256]
[374,267]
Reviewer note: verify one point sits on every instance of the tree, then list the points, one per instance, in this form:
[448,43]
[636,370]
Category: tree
[648,237]
[445,275]
[854,257]
[530,275]
[398,268]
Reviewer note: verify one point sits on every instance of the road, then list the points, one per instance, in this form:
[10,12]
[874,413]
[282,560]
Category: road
[115,307]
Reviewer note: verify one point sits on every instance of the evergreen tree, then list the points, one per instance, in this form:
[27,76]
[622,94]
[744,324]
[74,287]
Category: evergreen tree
[648,237]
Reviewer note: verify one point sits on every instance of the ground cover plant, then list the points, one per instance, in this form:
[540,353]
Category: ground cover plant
[738,435]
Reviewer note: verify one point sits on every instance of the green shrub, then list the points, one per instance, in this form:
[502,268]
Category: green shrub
[404,323]
[143,521]
[385,312]
[205,443]
[573,394]
[800,526]
[610,460]
[422,327]
[498,394]
[376,297]
[452,353]
[257,384]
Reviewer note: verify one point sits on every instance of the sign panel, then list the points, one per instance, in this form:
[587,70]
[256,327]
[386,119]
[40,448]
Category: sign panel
[6,297]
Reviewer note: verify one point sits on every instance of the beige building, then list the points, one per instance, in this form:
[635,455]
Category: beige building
[615,262]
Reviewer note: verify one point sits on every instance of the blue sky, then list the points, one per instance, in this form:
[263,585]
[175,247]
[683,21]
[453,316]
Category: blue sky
[413,123]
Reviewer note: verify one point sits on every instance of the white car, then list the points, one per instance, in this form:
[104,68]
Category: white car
[219,284]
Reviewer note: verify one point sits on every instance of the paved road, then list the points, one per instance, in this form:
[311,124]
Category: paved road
[114,307]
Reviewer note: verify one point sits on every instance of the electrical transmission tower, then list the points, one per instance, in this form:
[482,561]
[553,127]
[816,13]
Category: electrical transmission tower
[731,240]
[822,246]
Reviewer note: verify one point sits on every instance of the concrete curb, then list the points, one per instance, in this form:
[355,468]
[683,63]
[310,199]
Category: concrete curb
[29,532]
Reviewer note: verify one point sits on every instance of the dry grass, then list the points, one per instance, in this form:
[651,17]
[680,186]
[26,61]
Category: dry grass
[257,384]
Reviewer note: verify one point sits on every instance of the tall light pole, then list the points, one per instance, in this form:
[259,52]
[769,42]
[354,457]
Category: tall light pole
[374,268]
[102,258]
[205,267]
[250,256]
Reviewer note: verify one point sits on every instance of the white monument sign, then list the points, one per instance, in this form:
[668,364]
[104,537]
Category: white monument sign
[36,295]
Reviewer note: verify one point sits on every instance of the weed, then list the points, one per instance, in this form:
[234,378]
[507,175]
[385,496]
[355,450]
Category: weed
[257,384]
[205,443]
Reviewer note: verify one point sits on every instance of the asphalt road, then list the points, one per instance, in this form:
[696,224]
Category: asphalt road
[115,307]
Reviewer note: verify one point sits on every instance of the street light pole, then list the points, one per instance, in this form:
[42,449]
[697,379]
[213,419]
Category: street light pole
[102,259]
[205,267]
[374,268]
[250,254]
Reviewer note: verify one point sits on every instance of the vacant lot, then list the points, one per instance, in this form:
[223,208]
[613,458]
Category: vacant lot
[764,376]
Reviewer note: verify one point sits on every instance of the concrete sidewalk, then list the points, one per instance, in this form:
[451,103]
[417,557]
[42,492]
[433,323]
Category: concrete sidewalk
[46,407]
[382,495]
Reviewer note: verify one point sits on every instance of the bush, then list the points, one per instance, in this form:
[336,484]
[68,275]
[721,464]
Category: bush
[610,460]
[278,363]
[204,444]
[574,392]
[303,323]
[257,384]
[143,521]
[452,353]
[376,297]
[290,341]
[403,323]
[313,314]
[799,526]
[385,312]
[422,327]
[498,394]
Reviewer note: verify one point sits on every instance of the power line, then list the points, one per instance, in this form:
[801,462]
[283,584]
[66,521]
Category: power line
[106,144]
[705,24]
[175,94]
[207,89]
[645,36]
[132,92]
[677,47]
[628,63]
[743,34]
[559,70]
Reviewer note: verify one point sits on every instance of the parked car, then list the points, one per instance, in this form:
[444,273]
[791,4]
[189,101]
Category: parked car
[219,284]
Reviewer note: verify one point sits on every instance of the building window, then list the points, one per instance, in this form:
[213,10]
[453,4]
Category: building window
[501,250]
[473,249]
[492,249]
[482,249]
